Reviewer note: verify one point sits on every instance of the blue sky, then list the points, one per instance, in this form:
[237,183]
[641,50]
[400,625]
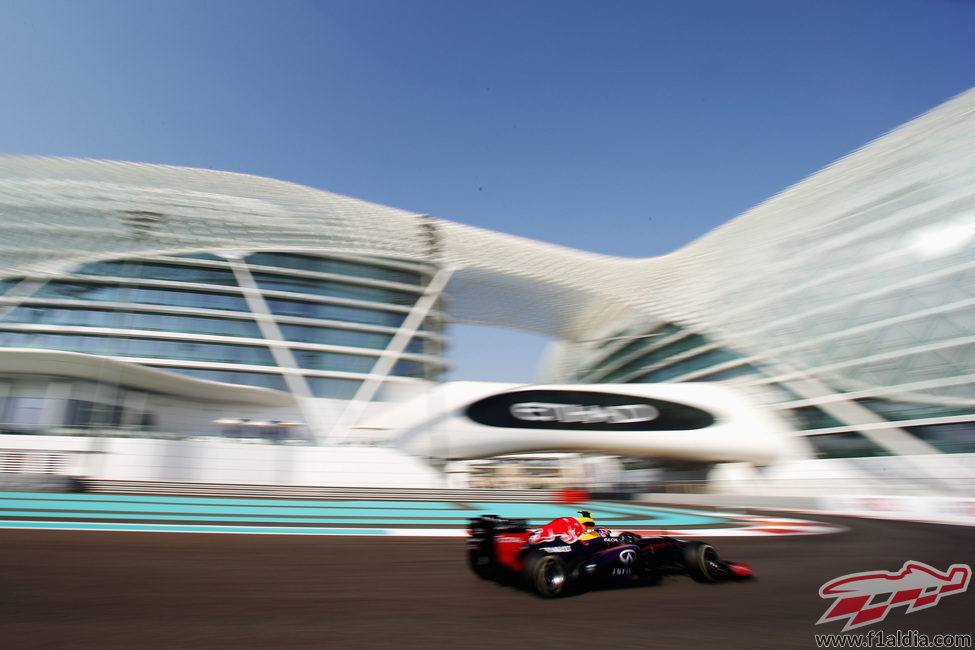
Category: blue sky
[626,128]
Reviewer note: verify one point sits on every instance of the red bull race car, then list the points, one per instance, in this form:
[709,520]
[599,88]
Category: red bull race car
[572,553]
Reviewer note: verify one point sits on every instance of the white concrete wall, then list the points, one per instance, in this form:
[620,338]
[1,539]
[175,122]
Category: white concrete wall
[928,474]
[237,462]
[217,461]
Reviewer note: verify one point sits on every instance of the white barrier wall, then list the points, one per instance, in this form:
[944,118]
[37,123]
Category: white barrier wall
[927,474]
[238,462]
[217,461]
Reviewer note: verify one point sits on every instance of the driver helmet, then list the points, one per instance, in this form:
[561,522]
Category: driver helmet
[591,531]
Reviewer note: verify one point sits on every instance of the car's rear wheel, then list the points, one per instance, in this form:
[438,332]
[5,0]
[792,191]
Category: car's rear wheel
[702,562]
[547,575]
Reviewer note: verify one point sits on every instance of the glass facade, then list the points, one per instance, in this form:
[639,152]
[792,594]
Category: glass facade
[917,375]
[352,269]
[319,287]
[160,271]
[135,320]
[846,304]
[331,317]
[259,379]
[378,340]
[333,312]
[656,355]
[120,293]
[111,346]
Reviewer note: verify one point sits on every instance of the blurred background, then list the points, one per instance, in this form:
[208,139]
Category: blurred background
[614,201]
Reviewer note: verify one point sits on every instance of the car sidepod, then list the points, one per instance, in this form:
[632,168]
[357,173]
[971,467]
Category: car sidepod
[615,564]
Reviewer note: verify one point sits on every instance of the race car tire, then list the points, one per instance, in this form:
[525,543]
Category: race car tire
[702,562]
[547,575]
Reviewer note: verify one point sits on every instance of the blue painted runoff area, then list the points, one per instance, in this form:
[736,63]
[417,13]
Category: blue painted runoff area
[164,528]
[192,514]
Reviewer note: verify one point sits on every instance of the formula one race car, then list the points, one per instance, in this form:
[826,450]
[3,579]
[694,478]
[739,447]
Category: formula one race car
[571,553]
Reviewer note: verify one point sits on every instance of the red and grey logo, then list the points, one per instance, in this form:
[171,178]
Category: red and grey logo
[866,598]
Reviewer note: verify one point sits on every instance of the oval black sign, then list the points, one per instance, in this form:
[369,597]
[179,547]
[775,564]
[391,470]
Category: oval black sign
[585,410]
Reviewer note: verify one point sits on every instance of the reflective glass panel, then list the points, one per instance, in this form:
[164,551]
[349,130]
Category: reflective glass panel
[115,293]
[334,266]
[313,360]
[133,347]
[951,438]
[261,380]
[334,388]
[321,311]
[160,271]
[270,281]
[118,319]
[845,445]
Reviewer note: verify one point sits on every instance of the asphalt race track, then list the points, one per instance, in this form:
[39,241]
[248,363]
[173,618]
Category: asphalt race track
[67,589]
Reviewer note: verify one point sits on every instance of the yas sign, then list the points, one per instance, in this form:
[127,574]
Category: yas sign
[585,410]
[589,414]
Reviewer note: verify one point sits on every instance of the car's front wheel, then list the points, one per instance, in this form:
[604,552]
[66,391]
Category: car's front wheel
[702,562]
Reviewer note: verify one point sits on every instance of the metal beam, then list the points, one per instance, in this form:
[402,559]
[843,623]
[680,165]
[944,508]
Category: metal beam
[388,358]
